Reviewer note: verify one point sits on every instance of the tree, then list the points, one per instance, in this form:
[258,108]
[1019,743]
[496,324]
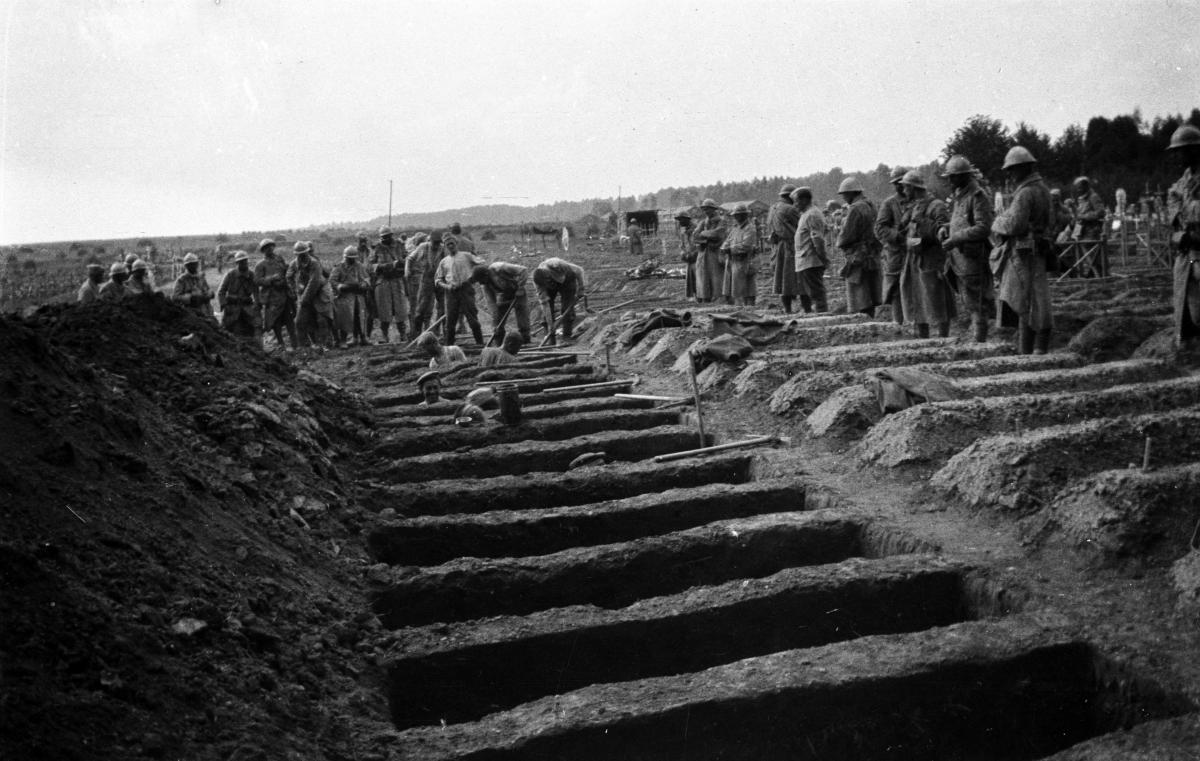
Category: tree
[983,141]
[1067,154]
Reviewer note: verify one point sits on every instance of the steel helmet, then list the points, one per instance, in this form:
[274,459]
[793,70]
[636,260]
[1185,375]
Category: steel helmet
[787,190]
[240,256]
[385,231]
[1187,134]
[118,268]
[138,265]
[958,165]
[265,243]
[130,259]
[741,208]
[1081,180]
[191,258]
[302,247]
[914,178]
[682,214]
[709,203]
[1018,155]
[95,267]
[350,252]
[850,185]
[832,205]
[897,175]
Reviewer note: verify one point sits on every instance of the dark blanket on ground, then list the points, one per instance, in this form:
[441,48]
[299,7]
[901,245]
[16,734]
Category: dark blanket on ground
[749,326]
[659,318]
[726,348]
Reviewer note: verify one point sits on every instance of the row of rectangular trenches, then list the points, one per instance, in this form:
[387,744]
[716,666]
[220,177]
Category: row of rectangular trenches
[661,610]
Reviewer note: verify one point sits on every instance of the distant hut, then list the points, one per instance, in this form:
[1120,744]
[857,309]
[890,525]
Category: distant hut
[647,219]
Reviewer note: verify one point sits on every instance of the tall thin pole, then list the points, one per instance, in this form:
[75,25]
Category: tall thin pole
[389,203]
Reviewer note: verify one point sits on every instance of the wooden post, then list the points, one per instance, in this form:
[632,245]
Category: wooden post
[607,364]
[696,394]
[754,442]
[1146,455]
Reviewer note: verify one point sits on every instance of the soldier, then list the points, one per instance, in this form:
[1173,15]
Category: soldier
[430,386]
[191,288]
[926,296]
[314,298]
[634,231]
[453,277]
[419,268]
[559,279]
[387,279]
[114,289]
[275,295]
[89,292]
[439,356]
[364,251]
[740,249]
[1019,262]
[1088,225]
[237,296]
[504,286]
[1183,213]
[351,282]
[811,257]
[857,242]
[891,235]
[687,251]
[967,243]
[781,221]
[710,264]
[505,355]
[138,283]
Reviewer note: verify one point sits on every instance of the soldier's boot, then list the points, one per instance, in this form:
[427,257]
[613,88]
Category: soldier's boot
[806,304]
[922,330]
[1041,342]
[943,329]
[787,303]
[384,328]
[1024,338]
[979,326]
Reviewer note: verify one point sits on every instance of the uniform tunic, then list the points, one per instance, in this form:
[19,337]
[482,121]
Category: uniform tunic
[274,293]
[89,292]
[387,279]
[635,240]
[1021,267]
[558,279]
[782,219]
[236,297]
[926,296]
[741,250]
[1089,216]
[350,281]
[314,301]
[1183,211]
[970,224]
[112,291]
[890,233]
[505,292]
[811,260]
[188,285]
[135,287]
[710,265]
[857,242]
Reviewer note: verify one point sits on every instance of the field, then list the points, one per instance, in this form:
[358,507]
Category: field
[215,552]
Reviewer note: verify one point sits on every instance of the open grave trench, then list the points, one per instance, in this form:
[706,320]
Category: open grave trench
[715,607]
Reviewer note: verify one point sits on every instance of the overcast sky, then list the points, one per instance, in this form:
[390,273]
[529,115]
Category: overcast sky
[126,118]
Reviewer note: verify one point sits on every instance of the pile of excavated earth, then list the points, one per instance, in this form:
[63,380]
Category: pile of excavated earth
[211,552]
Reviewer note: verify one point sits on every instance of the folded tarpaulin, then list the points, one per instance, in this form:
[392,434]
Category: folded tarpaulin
[726,348]
[749,326]
[659,318]
[898,388]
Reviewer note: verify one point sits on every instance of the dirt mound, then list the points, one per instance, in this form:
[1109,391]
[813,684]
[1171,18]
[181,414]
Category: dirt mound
[1109,338]
[169,575]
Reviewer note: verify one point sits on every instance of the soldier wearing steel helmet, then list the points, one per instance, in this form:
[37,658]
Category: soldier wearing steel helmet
[237,296]
[139,283]
[710,265]
[1183,213]
[858,244]
[350,282]
[890,234]
[781,222]
[966,242]
[924,291]
[1019,262]
[114,289]
[275,294]
[89,292]
[386,265]
[740,248]
[191,288]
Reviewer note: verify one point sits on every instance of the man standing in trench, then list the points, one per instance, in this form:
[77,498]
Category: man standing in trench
[966,243]
[504,286]
[1020,260]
